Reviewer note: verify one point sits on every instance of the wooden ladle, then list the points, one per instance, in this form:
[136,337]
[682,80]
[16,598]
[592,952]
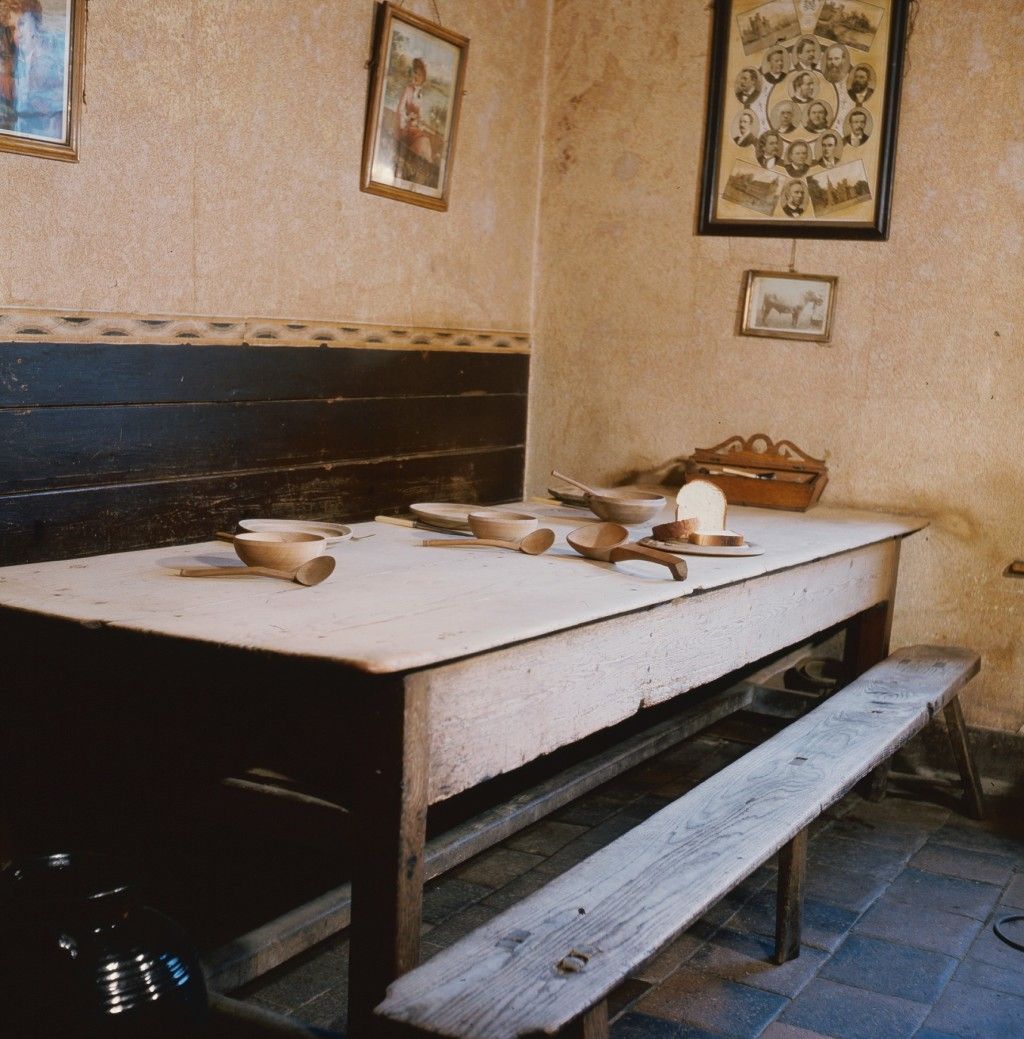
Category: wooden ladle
[533,544]
[607,542]
[310,573]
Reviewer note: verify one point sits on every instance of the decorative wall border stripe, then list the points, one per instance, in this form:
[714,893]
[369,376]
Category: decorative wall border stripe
[27,325]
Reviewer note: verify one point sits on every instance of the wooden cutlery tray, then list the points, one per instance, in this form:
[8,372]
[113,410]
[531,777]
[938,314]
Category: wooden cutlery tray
[778,475]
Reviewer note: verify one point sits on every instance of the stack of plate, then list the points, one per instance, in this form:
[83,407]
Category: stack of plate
[334,532]
[685,548]
[574,498]
[446,515]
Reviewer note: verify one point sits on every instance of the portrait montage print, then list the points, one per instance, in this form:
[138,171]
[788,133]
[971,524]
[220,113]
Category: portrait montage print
[801,114]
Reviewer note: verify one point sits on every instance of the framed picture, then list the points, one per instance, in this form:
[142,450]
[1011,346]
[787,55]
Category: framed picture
[413,108]
[42,59]
[785,305]
[803,106]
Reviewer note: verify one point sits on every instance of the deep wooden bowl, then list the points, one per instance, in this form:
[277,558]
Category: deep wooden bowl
[279,549]
[507,526]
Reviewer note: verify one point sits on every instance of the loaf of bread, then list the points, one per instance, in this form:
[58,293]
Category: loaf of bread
[704,501]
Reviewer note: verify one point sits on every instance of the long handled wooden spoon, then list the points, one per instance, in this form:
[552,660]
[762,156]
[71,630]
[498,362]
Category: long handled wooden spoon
[533,544]
[607,542]
[576,483]
[311,572]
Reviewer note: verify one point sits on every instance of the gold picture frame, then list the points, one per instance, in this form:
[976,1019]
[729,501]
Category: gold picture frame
[412,113]
[42,76]
[787,305]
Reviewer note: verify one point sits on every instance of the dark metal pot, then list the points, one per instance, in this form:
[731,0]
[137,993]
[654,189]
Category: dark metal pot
[79,956]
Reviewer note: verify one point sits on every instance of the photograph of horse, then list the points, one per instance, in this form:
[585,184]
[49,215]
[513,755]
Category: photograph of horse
[788,305]
[790,309]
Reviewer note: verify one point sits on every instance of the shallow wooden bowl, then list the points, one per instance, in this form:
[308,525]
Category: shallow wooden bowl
[279,549]
[508,526]
[630,509]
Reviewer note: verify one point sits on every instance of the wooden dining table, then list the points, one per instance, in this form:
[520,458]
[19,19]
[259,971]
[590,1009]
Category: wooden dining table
[439,668]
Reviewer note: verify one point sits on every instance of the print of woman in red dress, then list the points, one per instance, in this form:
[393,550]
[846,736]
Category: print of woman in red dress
[410,119]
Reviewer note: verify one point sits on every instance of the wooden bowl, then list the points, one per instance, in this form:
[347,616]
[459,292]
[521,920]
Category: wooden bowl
[631,508]
[279,549]
[508,526]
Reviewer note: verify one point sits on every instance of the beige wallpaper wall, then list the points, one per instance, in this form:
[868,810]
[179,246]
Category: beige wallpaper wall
[917,401]
[219,173]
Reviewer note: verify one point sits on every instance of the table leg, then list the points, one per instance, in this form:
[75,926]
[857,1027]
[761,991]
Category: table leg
[591,1025]
[390,801]
[867,642]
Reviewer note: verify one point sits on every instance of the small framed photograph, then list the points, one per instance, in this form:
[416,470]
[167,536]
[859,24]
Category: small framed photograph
[417,74]
[787,305]
[42,61]
[809,79]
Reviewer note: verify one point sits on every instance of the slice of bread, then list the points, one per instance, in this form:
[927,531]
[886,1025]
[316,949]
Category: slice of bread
[704,501]
[716,537]
[680,530]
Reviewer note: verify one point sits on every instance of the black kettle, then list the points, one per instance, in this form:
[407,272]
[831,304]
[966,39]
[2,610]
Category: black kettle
[80,956]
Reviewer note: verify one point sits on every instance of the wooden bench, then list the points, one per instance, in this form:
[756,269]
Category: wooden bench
[547,964]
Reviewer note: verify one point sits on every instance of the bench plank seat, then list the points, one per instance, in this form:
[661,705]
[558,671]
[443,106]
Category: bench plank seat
[542,964]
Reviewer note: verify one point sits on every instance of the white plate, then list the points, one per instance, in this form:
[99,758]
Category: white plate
[684,548]
[573,498]
[444,514]
[334,532]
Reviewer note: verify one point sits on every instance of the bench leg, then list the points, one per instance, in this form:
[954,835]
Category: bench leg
[877,782]
[789,905]
[591,1025]
[964,759]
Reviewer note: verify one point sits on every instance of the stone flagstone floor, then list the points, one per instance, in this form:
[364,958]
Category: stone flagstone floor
[898,939]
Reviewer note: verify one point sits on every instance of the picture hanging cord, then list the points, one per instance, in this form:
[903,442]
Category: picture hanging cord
[912,13]
[433,3]
[792,258]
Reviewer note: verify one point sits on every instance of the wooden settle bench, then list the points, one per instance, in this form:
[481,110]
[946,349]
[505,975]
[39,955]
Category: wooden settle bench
[547,964]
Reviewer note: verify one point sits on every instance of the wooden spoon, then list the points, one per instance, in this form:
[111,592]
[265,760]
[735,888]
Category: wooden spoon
[310,573]
[606,542]
[575,483]
[612,494]
[533,544]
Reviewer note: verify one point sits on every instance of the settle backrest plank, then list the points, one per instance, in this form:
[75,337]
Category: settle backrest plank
[544,962]
[123,446]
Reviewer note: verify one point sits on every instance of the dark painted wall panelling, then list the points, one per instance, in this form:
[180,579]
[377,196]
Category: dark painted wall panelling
[61,374]
[110,447]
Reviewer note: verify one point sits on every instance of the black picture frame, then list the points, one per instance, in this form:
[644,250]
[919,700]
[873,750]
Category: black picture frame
[745,191]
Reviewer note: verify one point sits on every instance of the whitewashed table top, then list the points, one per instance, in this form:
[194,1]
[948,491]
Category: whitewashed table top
[393,605]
